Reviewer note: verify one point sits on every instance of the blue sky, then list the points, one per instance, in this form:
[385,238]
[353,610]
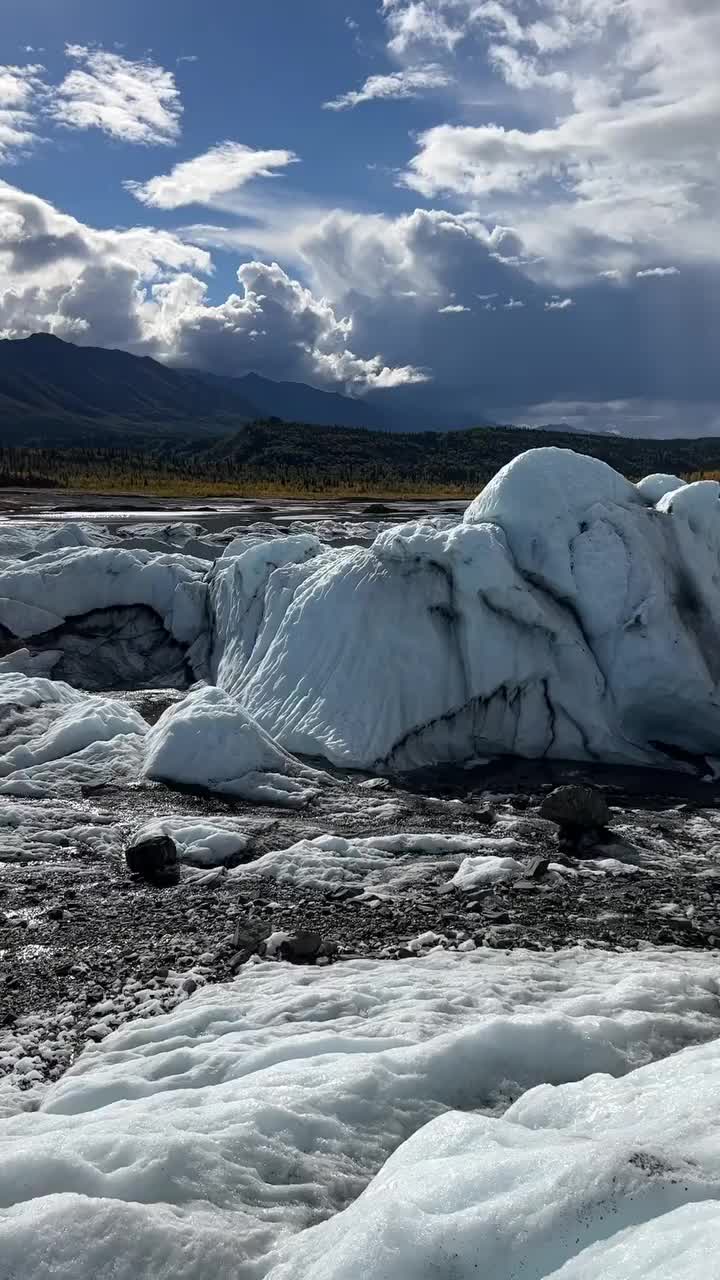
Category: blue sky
[461,209]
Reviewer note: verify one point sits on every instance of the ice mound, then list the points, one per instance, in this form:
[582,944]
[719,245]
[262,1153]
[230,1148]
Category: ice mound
[205,1142]
[587,1181]
[209,741]
[567,615]
[379,865]
[56,738]
[23,541]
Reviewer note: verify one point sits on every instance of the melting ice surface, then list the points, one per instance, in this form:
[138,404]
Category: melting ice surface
[493,1114]
[436,1117]
[568,614]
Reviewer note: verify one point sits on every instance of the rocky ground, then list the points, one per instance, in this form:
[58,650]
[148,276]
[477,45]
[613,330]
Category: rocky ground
[85,945]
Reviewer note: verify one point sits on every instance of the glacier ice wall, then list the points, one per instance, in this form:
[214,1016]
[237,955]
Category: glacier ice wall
[571,614]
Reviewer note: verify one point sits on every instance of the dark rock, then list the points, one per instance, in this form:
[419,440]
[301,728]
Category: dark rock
[55,913]
[496,915]
[248,934]
[576,806]
[301,948]
[537,867]
[155,858]
[581,843]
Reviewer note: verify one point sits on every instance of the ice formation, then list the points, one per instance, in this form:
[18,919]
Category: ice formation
[569,614]
[209,741]
[65,595]
[218,1140]
[565,616]
[56,738]
[382,866]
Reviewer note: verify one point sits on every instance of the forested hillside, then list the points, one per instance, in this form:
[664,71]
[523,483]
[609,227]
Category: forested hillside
[298,458]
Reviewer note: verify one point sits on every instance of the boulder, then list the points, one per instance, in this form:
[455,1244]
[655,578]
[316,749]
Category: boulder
[301,948]
[155,858]
[537,867]
[577,807]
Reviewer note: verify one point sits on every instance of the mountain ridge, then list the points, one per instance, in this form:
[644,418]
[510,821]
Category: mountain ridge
[56,393]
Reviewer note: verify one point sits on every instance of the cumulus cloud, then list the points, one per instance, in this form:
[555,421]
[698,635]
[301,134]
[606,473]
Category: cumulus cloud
[513,304]
[142,289]
[222,169]
[20,89]
[428,252]
[452,309]
[393,274]
[409,83]
[275,325]
[621,150]
[657,271]
[133,101]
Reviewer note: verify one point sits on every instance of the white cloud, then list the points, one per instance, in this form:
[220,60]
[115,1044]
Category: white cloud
[419,22]
[132,101]
[138,289]
[513,304]
[409,83]
[657,271]
[452,310]
[20,89]
[620,152]
[612,273]
[559,304]
[478,162]
[275,325]
[222,169]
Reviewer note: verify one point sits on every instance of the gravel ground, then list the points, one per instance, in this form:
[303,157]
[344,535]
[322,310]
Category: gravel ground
[84,945]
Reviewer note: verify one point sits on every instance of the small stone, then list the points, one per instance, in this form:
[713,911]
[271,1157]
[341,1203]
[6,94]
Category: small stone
[189,985]
[496,915]
[55,913]
[537,868]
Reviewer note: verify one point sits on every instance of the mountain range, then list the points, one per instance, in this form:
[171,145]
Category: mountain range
[56,393]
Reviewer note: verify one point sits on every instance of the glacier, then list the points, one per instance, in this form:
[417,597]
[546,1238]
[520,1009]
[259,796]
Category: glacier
[468,1110]
[570,614]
